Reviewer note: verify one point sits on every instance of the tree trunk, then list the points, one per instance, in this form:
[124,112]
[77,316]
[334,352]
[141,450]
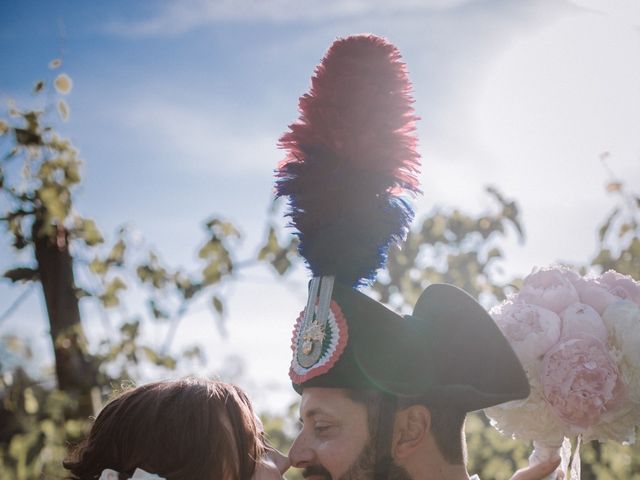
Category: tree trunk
[75,372]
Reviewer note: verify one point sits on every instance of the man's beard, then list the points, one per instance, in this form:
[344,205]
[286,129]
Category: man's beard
[363,468]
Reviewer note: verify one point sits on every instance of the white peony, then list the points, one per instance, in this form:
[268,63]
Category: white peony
[580,319]
[623,321]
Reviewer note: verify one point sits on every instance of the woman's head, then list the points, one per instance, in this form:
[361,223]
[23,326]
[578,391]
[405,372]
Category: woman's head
[192,429]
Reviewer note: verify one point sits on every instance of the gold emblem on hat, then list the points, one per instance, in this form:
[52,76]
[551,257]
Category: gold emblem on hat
[313,333]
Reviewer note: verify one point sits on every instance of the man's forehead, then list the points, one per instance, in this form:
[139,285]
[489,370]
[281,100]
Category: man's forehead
[332,401]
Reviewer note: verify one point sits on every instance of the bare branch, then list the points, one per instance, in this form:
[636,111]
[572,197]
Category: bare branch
[16,303]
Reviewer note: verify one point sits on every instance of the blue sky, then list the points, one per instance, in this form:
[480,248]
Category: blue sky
[177,108]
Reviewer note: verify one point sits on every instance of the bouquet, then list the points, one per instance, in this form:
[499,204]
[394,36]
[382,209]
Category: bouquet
[578,339]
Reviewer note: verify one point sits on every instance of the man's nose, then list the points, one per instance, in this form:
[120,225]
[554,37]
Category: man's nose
[300,453]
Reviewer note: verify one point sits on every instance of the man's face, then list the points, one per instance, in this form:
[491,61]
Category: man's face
[334,441]
[334,433]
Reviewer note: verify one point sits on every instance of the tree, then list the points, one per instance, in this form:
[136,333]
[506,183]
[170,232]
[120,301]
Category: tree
[41,218]
[39,173]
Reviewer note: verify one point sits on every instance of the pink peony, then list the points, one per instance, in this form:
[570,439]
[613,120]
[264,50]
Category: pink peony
[580,381]
[567,273]
[580,319]
[595,294]
[530,329]
[622,286]
[550,289]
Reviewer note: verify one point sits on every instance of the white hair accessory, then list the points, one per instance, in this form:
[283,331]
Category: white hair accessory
[139,474]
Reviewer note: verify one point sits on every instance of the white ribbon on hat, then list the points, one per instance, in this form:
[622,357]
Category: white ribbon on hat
[139,474]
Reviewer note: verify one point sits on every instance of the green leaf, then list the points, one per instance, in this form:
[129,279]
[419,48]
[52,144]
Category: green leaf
[75,428]
[63,110]
[218,305]
[495,252]
[144,273]
[194,353]
[211,249]
[271,247]
[98,267]
[186,286]
[81,293]
[90,233]
[160,360]
[19,242]
[438,226]
[634,248]
[156,311]
[116,255]
[54,199]
[625,228]
[211,274]
[27,137]
[110,298]
[281,263]
[221,228]
[131,329]
[21,274]
[603,258]
[31,404]
[151,355]
[39,86]
[72,172]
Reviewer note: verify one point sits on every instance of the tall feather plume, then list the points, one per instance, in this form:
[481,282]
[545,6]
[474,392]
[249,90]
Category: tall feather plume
[350,158]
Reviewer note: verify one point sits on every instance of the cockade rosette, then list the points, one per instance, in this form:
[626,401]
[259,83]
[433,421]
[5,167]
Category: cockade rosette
[578,339]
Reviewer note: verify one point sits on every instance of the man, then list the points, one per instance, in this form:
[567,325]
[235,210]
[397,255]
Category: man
[383,396]
[343,426]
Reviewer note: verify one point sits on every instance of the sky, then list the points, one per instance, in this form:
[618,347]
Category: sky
[176,109]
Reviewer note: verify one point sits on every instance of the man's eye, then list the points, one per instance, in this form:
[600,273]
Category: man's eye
[320,429]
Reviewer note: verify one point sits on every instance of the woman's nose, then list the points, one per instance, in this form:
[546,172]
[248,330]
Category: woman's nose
[272,466]
[280,460]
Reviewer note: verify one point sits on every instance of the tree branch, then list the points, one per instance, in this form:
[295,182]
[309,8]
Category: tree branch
[16,303]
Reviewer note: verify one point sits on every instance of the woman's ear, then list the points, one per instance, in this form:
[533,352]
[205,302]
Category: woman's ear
[410,430]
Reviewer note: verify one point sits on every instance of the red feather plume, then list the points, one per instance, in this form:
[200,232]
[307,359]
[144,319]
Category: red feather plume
[351,154]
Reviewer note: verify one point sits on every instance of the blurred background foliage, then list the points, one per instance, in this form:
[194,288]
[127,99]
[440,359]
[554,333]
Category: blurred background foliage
[41,415]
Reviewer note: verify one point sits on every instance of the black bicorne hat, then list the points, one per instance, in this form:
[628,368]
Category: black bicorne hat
[449,349]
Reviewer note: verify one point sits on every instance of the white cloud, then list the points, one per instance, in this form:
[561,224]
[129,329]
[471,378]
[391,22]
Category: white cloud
[545,111]
[627,11]
[175,18]
[204,141]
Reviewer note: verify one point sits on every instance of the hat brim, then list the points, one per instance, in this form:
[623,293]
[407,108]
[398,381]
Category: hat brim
[450,349]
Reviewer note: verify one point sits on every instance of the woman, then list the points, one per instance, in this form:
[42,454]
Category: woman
[189,429]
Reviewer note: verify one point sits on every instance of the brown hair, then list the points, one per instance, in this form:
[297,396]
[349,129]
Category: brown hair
[447,422]
[189,429]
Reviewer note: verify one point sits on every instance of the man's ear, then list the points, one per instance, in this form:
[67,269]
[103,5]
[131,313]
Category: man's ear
[410,429]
